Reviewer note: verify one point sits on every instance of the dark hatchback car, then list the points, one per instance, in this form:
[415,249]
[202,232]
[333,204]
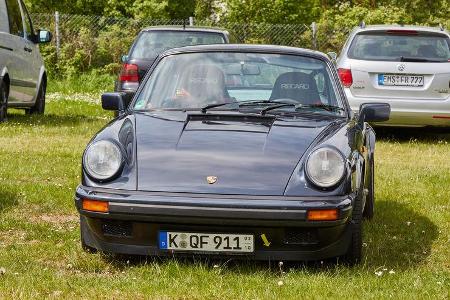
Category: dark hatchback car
[151,42]
[240,150]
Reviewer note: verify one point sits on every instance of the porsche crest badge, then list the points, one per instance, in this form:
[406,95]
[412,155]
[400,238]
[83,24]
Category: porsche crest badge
[211,179]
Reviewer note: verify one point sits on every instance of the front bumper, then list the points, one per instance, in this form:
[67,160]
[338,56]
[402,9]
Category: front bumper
[408,112]
[135,218]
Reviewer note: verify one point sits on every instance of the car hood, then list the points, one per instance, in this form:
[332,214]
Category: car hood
[177,151]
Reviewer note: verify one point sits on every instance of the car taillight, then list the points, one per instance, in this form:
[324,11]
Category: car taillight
[346,77]
[129,72]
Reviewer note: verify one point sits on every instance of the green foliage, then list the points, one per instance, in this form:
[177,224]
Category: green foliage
[89,43]
[272,11]
[336,23]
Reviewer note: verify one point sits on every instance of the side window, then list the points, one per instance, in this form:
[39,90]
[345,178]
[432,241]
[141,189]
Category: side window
[28,24]
[15,18]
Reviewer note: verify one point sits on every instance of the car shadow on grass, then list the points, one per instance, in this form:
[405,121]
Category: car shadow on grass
[52,120]
[421,134]
[398,238]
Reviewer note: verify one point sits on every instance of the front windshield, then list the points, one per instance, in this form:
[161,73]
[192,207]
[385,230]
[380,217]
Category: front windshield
[192,81]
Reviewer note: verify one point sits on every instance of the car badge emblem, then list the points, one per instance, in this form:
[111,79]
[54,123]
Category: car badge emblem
[211,179]
[401,67]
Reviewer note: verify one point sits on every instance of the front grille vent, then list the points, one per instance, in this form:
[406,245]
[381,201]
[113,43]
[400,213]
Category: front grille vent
[117,228]
[301,237]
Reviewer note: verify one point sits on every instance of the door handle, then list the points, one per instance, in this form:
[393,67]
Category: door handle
[28,49]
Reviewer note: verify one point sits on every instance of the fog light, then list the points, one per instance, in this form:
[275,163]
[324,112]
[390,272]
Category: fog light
[95,205]
[323,215]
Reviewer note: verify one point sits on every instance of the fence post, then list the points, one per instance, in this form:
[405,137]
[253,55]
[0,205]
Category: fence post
[314,35]
[191,21]
[57,34]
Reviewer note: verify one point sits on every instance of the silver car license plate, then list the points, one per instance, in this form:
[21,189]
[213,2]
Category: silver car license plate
[206,242]
[400,80]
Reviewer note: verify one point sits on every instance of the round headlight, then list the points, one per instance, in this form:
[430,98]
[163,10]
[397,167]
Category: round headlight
[325,167]
[102,160]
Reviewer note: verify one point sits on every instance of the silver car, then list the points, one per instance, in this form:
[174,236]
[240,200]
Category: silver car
[405,66]
[23,77]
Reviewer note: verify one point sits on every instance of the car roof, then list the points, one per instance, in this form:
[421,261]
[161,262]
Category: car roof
[185,28]
[406,27]
[246,48]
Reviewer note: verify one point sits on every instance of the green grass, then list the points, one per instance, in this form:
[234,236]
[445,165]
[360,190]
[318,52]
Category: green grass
[95,81]
[40,243]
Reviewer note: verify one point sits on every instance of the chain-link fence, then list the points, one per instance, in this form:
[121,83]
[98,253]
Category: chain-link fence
[82,42]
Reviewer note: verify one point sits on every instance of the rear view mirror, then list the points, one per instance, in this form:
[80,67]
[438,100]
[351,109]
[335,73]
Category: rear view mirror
[374,112]
[242,69]
[44,36]
[113,101]
[124,58]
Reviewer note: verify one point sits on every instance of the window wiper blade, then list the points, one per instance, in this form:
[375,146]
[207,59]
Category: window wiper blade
[263,112]
[321,106]
[417,59]
[209,106]
[259,102]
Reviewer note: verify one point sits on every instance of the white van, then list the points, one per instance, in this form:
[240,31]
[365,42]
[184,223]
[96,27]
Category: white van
[22,72]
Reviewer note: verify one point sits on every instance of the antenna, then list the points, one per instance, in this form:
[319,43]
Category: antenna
[362,24]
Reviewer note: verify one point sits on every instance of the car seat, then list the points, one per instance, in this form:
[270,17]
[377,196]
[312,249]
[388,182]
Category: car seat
[203,85]
[297,86]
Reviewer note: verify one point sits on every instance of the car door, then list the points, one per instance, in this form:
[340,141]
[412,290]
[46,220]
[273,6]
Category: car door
[21,90]
[32,55]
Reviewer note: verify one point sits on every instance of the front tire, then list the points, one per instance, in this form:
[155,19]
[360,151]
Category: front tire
[370,198]
[3,101]
[39,106]
[354,252]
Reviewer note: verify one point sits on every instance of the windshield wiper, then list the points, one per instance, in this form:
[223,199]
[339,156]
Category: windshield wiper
[321,106]
[206,107]
[261,102]
[417,59]
[263,112]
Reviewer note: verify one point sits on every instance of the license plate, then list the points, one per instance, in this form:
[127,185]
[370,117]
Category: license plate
[400,80]
[206,242]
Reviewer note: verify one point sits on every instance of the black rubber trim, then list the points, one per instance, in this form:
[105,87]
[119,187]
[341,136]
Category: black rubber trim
[6,48]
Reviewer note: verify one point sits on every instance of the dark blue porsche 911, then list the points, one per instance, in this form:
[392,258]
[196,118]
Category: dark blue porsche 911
[232,150]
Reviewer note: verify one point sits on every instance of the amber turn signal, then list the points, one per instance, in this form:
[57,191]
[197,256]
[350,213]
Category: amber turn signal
[95,205]
[323,215]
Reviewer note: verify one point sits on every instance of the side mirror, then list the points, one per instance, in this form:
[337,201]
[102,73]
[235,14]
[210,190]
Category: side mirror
[124,58]
[374,112]
[113,101]
[332,55]
[44,36]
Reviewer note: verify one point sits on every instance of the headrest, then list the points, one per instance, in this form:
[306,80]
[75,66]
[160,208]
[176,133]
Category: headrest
[297,86]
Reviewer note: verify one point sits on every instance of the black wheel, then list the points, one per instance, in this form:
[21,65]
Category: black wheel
[3,101]
[39,106]
[370,198]
[354,252]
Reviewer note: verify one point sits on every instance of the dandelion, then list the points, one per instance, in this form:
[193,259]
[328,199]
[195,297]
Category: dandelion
[379,273]
[2,271]
[280,283]
[408,223]
[391,272]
